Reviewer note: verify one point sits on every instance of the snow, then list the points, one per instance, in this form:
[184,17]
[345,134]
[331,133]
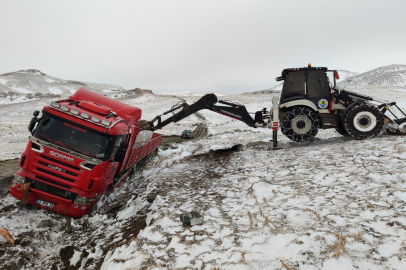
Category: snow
[50,80]
[55,90]
[22,90]
[263,208]
[132,208]
[338,264]
[15,100]
[75,258]
[3,81]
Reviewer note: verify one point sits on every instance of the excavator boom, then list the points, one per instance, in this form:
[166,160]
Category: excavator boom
[233,110]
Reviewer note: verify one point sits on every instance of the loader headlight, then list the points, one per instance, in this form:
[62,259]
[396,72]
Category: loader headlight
[18,179]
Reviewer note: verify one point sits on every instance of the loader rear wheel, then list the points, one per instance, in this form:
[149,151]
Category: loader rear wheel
[363,121]
[300,124]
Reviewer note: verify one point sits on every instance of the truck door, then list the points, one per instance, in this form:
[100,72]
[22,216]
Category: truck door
[113,166]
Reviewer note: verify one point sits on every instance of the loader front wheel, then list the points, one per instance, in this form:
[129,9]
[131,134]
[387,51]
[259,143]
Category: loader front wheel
[364,121]
[300,124]
[341,130]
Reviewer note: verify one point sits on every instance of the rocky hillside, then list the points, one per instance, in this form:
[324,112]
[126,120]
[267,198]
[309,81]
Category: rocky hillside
[31,84]
[392,75]
[344,74]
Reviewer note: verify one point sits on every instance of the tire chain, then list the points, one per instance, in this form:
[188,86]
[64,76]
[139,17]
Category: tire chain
[288,131]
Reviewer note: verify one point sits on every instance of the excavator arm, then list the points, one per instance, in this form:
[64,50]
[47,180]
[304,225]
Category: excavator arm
[233,110]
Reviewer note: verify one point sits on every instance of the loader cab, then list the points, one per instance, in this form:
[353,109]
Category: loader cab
[309,83]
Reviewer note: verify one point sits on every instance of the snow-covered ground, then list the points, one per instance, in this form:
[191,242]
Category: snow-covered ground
[333,203]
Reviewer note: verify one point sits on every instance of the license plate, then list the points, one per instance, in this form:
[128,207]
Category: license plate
[44,203]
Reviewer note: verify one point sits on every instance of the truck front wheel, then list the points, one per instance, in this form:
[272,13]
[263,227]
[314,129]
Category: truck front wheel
[300,124]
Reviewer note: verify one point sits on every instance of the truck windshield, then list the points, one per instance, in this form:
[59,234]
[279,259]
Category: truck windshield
[73,137]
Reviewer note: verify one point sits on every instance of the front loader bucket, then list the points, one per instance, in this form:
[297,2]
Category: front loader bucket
[396,127]
[395,121]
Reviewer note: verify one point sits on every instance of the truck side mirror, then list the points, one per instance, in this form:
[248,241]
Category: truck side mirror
[120,154]
[33,121]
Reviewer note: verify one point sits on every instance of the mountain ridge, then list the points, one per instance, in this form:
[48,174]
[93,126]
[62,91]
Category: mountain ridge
[24,85]
[390,75]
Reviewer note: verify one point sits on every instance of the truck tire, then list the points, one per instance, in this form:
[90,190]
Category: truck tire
[341,130]
[300,124]
[363,121]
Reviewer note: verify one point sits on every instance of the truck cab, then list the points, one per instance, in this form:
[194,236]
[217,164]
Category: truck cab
[78,149]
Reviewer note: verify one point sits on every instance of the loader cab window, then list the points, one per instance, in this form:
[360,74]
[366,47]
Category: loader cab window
[311,85]
[293,86]
[317,85]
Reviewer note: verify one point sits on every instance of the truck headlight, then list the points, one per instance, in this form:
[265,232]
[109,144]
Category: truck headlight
[19,179]
[54,104]
[86,200]
[95,119]
[74,112]
[105,122]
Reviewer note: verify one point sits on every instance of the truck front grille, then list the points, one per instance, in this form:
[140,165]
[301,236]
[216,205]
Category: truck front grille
[55,174]
[65,194]
[52,182]
[60,162]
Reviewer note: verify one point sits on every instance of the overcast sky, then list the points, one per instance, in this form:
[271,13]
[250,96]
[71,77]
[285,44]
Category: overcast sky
[202,46]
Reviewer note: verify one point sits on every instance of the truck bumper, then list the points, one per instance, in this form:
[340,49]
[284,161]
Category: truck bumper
[60,205]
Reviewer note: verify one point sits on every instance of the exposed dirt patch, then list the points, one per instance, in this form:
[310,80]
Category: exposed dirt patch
[199,133]
[7,170]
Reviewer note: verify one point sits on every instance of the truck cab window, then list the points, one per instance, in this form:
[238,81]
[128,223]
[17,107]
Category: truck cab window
[73,137]
[116,143]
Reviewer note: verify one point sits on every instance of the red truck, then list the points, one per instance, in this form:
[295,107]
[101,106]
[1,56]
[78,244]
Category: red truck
[80,148]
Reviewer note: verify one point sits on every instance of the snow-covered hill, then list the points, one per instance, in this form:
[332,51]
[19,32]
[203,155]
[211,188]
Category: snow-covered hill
[187,94]
[30,84]
[344,74]
[392,75]
[261,92]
